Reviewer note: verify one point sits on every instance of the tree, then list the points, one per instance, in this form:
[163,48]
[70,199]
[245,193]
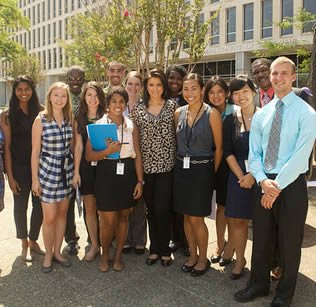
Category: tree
[302,20]
[28,65]
[11,18]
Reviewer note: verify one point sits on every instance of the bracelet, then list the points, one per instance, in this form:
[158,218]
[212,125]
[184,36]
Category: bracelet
[141,182]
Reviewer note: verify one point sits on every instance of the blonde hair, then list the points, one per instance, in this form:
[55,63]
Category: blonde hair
[67,111]
[284,60]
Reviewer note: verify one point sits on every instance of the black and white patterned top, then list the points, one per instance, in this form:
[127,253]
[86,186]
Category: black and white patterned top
[56,162]
[157,137]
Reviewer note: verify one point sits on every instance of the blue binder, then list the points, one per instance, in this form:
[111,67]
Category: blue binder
[98,133]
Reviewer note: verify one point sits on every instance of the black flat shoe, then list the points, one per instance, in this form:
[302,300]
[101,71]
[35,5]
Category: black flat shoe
[198,273]
[215,259]
[127,250]
[234,276]
[47,269]
[187,268]
[151,261]
[166,262]
[249,294]
[277,301]
[139,251]
[65,264]
[223,262]
[186,251]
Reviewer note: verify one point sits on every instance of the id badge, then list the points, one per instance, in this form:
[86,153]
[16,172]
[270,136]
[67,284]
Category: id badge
[186,162]
[246,166]
[94,163]
[119,168]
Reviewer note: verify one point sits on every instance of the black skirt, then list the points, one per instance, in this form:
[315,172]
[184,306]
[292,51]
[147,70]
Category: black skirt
[87,175]
[115,192]
[193,188]
[221,179]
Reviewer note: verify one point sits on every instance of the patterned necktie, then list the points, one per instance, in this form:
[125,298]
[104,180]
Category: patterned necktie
[265,99]
[274,138]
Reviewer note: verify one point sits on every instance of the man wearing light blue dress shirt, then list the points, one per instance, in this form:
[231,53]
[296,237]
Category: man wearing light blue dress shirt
[281,200]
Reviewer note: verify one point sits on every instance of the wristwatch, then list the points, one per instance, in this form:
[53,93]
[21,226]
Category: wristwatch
[140,181]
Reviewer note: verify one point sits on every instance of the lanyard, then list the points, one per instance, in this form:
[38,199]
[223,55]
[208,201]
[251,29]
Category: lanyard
[61,132]
[243,120]
[188,139]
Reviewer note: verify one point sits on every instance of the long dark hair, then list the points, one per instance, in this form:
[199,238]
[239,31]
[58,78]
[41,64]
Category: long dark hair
[82,118]
[33,106]
[215,80]
[155,73]
[239,82]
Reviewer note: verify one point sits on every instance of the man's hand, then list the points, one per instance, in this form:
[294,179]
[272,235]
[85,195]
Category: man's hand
[271,192]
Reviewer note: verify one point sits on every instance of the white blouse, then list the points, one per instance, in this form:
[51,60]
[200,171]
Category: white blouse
[127,150]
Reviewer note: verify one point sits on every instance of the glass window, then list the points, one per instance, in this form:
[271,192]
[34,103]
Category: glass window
[34,39]
[224,68]
[213,1]
[39,37]
[49,59]
[60,28]
[43,36]
[29,40]
[248,21]
[231,24]
[54,8]
[44,59]
[79,4]
[72,5]
[60,11]
[38,13]
[60,58]
[43,11]
[267,13]
[33,15]
[24,39]
[215,30]
[54,32]
[55,58]
[310,6]
[287,11]
[29,13]
[199,69]
[48,34]
[66,28]
[66,6]
[210,69]
[48,9]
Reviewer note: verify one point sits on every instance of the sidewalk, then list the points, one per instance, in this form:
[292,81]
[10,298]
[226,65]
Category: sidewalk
[23,284]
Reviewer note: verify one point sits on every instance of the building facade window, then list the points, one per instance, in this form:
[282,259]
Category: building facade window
[72,5]
[54,32]
[48,9]
[48,35]
[39,37]
[66,7]
[60,29]
[44,59]
[34,39]
[60,7]
[213,1]
[43,36]
[54,8]
[215,29]
[310,6]
[66,28]
[60,57]
[49,66]
[29,40]
[79,4]
[267,14]
[33,15]
[25,41]
[38,13]
[54,58]
[43,11]
[231,24]
[248,21]
[287,11]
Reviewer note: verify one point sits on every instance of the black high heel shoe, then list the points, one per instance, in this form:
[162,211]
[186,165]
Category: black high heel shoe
[187,268]
[216,259]
[151,261]
[223,261]
[198,273]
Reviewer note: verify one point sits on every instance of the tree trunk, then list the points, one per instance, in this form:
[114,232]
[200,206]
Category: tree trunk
[312,73]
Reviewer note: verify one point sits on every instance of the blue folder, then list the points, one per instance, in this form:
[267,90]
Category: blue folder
[98,133]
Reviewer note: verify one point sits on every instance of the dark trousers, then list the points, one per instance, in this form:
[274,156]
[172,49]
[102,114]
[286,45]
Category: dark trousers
[285,223]
[20,212]
[157,195]
[177,229]
[70,232]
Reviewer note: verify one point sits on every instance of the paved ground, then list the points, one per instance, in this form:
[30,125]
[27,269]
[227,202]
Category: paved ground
[23,284]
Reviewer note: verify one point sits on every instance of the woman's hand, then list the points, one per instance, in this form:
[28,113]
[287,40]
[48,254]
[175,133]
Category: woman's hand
[112,146]
[138,191]
[14,186]
[36,188]
[247,181]
[76,180]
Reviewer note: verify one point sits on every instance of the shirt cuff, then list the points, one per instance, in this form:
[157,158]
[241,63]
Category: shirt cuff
[260,177]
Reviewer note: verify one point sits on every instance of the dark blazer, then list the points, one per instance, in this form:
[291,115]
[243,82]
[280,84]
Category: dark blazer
[298,91]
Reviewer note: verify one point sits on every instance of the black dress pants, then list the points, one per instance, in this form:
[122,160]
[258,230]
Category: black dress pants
[23,176]
[157,195]
[285,223]
[70,231]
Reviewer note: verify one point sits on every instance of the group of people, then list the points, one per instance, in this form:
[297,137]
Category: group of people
[174,146]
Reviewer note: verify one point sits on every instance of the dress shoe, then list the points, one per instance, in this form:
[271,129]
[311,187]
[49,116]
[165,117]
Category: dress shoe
[276,274]
[65,264]
[127,249]
[198,273]
[151,261]
[47,269]
[173,246]
[72,248]
[223,261]
[187,268]
[277,301]
[234,276]
[92,253]
[139,251]
[186,251]
[166,262]
[249,294]
[215,259]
